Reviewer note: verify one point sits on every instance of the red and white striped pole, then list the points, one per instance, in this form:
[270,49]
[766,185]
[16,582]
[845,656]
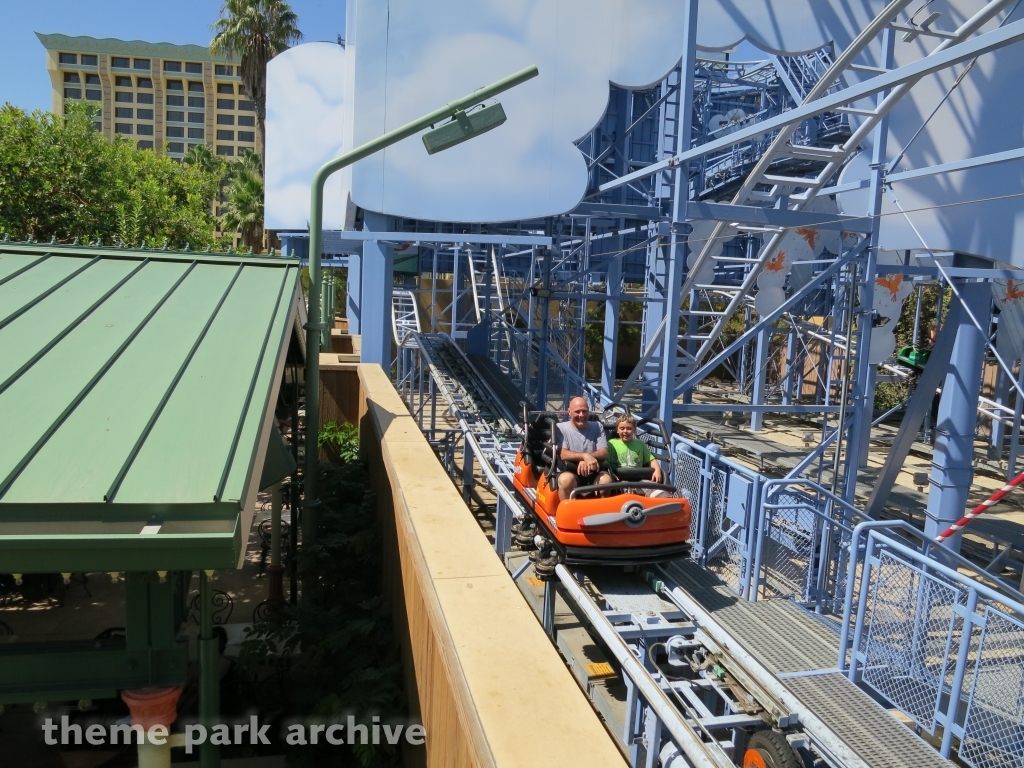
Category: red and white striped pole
[981,508]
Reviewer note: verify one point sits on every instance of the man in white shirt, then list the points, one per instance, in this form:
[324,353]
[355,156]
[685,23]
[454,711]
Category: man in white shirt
[583,446]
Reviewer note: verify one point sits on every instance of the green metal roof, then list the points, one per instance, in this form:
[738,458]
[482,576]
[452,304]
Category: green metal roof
[135,403]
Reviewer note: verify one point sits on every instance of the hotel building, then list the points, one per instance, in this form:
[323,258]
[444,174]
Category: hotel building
[163,97]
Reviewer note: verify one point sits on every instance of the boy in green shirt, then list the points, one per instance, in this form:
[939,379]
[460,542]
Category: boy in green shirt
[627,452]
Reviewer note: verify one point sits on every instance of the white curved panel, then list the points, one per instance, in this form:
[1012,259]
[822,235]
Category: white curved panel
[411,57]
[980,210]
[307,115]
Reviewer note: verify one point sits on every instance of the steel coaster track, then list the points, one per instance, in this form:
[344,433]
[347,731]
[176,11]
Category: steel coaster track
[484,420]
[673,720]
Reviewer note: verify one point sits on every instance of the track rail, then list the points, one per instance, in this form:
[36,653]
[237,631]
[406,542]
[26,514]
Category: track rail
[695,693]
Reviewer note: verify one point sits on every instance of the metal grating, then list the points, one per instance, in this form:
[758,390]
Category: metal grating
[778,633]
[870,731]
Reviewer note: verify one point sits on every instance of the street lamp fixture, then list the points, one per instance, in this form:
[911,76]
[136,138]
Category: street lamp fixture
[464,125]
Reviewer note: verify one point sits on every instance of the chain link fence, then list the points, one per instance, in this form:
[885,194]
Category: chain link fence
[912,638]
[994,726]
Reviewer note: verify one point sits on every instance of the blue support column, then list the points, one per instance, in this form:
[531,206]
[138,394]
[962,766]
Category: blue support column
[952,459]
[609,358]
[790,378]
[1000,396]
[863,396]
[544,297]
[375,325]
[354,296]
[681,193]
[1018,412]
[757,396]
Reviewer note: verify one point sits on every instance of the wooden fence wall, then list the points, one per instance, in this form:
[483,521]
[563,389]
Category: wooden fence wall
[487,682]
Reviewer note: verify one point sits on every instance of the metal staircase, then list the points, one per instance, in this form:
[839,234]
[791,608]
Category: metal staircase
[792,192]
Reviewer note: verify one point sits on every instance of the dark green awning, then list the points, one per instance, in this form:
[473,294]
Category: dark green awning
[136,402]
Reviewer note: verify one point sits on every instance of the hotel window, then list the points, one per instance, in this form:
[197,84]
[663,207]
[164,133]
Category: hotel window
[123,82]
[175,132]
[144,130]
[196,117]
[123,112]
[225,103]
[196,101]
[225,119]
[225,88]
[175,101]
[92,79]
[88,60]
[72,77]
[249,136]
[97,126]
[123,97]
[246,106]
[176,146]
[142,64]
[145,145]
[241,90]
[246,120]
[72,93]
[195,133]
[120,62]
[175,85]
[194,67]
[175,116]
[144,82]
[172,66]
[225,135]
[94,95]
[223,69]
[144,98]
[229,151]
[68,58]
[195,87]
[144,114]
[125,128]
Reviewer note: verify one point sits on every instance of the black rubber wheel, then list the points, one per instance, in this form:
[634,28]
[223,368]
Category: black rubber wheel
[770,749]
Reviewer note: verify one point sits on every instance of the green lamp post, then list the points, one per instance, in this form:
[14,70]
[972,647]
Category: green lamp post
[463,125]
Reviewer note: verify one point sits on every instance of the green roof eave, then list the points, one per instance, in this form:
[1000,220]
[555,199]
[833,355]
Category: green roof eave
[40,552]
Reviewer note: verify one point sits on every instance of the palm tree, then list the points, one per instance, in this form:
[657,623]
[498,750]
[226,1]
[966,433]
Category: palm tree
[202,155]
[248,160]
[243,210]
[255,31]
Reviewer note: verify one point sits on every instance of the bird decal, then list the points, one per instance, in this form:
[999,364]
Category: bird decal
[1013,292]
[810,235]
[776,263]
[891,283]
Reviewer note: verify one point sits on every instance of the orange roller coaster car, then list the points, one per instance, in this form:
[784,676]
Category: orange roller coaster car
[622,525]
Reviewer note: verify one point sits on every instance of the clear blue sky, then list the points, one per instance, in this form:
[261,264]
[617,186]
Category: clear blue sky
[23,78]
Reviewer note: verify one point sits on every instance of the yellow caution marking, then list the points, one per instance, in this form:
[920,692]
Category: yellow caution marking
[533,581]
[600,669]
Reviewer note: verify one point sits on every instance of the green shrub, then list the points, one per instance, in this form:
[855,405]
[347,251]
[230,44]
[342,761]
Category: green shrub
[343,437]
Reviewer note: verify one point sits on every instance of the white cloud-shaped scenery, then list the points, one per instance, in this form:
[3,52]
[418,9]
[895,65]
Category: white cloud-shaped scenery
[307,111]
[406,58]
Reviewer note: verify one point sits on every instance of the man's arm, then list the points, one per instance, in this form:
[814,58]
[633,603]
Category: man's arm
[600,454]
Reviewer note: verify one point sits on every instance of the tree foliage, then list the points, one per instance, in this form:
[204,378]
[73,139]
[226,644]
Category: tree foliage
[340,638]
[243,209]
[255,31]
[60,178]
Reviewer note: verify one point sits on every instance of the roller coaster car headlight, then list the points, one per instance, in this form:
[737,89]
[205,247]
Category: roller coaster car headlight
[463,126]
